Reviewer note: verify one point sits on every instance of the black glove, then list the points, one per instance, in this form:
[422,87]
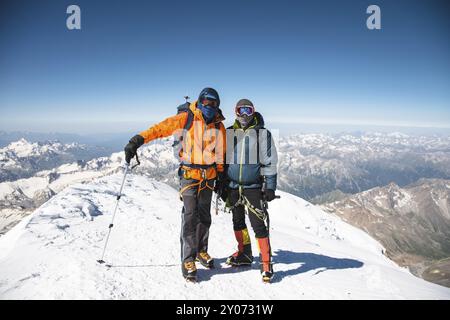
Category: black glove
[218,185]
[221,187]
[132,146]
[269,194]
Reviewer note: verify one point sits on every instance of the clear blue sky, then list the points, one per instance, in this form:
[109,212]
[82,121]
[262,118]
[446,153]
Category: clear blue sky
[299,61]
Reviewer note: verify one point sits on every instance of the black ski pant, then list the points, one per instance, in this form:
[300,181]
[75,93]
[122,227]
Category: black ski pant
[195,217]
[254,196]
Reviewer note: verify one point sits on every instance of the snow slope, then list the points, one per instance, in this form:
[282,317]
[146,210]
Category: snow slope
[53,252]
[21,197]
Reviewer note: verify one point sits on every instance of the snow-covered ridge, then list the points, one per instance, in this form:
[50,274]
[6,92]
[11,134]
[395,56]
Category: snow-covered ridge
[18,198]
[157,156]
[53,253]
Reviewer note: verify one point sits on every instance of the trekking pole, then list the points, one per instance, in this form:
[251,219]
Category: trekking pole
[127,168]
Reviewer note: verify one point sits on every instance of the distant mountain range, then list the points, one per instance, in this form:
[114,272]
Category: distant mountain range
[22,159]
[412,223]
[318,167]
[111,142]
[322,167]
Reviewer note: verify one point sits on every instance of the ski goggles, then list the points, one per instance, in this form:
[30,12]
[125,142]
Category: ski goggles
[209,102]
[245,110]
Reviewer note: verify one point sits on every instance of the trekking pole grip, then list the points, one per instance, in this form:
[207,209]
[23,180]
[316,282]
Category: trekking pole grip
[137,162]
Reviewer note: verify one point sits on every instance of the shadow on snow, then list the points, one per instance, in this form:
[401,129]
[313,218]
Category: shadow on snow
[308,261]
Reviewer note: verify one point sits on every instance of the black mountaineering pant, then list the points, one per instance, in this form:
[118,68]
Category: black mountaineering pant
[254,196]
[195,217]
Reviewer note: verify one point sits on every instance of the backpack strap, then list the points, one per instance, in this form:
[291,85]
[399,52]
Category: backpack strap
[184,108]
[187,126]
[257,145]
[189,119]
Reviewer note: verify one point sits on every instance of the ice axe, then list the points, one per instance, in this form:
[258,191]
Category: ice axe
[265,203]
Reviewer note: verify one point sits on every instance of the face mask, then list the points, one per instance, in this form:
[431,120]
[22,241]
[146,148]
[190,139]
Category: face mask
[245,120]
[208,112]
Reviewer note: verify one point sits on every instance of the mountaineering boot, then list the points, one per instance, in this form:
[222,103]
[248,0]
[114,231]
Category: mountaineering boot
[205,260]
[238,259]
[189,271]
[242,257]
[265,259]
[267,272]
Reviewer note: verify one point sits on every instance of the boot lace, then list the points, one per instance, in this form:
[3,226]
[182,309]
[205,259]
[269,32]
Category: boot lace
[190,265]
[205,256]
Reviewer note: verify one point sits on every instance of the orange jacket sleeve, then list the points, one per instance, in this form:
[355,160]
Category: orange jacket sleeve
[165,128]
[221,146]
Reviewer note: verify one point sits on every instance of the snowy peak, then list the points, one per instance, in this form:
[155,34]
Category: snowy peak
[22,148]
[52,254]
[398,135]
[390,197]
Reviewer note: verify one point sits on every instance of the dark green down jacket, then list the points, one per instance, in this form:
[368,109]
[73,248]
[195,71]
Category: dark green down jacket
[248,161]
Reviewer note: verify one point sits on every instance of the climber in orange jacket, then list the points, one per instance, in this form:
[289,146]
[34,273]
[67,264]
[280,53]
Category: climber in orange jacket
[198,127]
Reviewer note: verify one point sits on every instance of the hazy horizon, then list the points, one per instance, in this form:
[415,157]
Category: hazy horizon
[118,128]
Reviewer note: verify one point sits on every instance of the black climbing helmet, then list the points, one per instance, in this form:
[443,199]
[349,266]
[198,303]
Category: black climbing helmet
[209,94]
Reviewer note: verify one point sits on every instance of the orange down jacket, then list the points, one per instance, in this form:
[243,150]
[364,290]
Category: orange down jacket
[202,144]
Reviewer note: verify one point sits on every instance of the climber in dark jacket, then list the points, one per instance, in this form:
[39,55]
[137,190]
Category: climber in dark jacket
[251,179]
